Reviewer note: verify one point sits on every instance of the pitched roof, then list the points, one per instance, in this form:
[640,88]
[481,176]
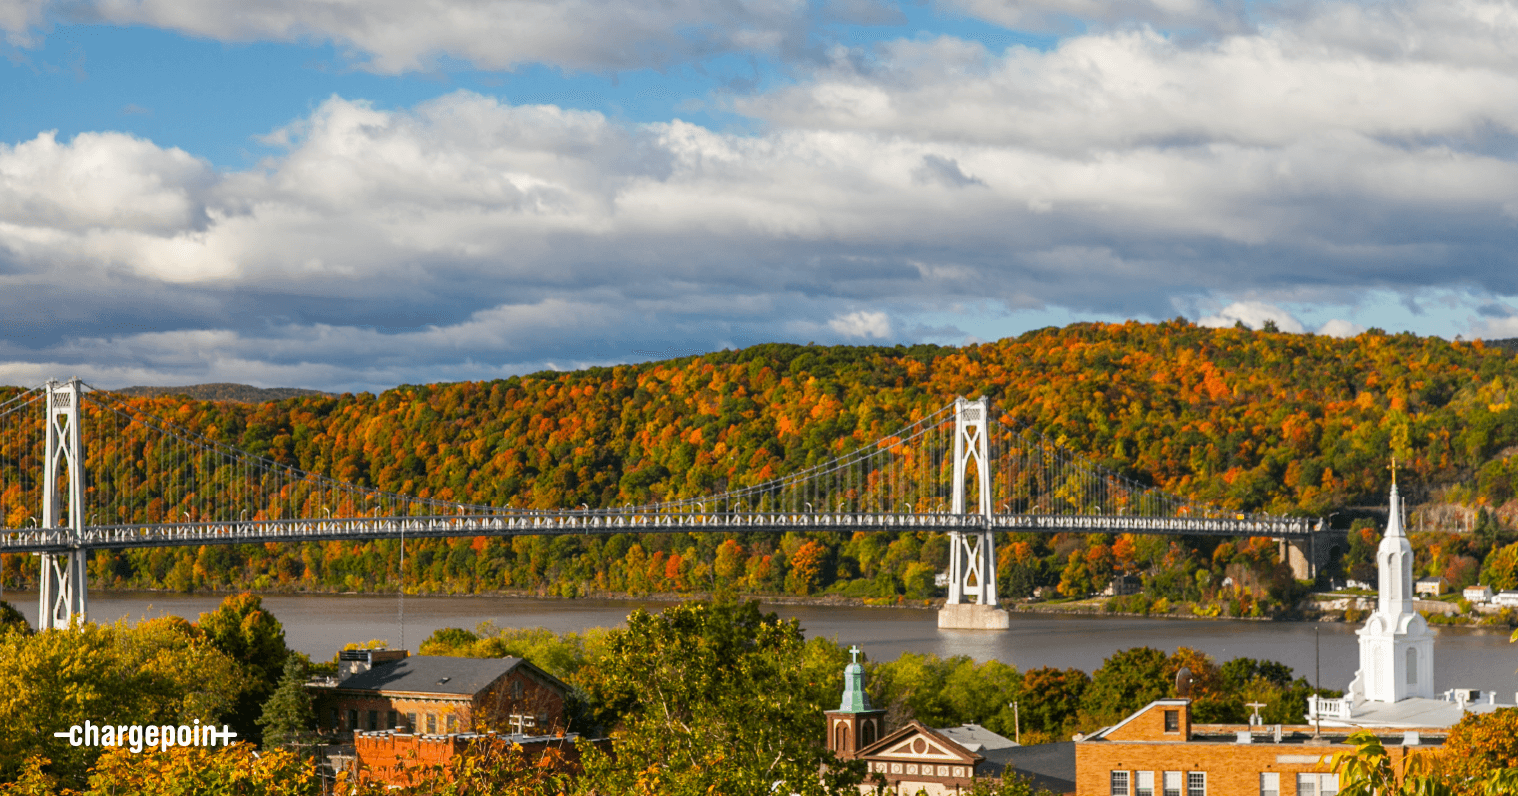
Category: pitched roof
[1050,765]
[975,738]
[915,740]
[433,674]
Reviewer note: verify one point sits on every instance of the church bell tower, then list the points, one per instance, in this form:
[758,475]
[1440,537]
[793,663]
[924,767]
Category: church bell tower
[854,725]
[1396,645]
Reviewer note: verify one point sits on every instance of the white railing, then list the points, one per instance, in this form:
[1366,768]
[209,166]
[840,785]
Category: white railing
[1326,708]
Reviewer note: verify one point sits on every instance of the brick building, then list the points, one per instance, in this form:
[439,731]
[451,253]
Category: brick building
[1158,751]
[403,759]
[938,761]
[429,695]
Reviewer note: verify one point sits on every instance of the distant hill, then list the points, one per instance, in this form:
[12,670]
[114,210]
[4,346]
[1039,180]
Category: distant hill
[237,393]
[1509,344]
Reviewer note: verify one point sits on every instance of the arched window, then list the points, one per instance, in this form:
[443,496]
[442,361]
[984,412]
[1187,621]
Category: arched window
[1412,666]
[868,736]
[841,738]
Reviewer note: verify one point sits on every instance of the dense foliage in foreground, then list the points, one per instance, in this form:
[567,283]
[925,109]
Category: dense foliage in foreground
[700,698]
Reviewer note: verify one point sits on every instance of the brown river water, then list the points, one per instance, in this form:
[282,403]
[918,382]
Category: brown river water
[319,624]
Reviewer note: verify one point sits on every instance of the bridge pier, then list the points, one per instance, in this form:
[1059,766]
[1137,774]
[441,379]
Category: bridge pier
[1312,555]
[972,555]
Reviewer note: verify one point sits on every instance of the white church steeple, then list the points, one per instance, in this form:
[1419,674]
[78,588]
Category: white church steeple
[1396,646]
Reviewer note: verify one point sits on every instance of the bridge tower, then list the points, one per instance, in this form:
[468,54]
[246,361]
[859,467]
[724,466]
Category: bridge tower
[972,554]
[63,596]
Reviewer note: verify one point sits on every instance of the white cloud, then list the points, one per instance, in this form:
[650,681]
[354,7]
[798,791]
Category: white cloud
[1337,327]
[1110,175]
[1062,15]
[394,36]
[1253,314]
[1496,328]
[862,324]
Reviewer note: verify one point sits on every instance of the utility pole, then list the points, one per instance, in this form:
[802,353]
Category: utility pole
[1317,682]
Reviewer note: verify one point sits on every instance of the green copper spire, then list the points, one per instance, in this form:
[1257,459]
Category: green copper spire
[855,700]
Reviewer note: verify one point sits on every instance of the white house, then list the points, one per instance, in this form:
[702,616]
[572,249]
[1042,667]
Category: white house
[1506,599]
[1478,594]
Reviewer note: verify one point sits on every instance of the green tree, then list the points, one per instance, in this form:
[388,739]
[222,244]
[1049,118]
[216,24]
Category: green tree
[1125,682]
[712,698]
[10,618]
[251,636]
[287,718]
[1049,702]
[158,672]
[1501,568]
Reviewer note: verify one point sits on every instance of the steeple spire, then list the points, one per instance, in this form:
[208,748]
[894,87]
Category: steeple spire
[855,700]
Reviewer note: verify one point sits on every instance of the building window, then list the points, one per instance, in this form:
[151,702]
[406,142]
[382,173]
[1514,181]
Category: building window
[1144,782]
[516,689]
[452,722]
[373,720]
[1119,783]
[1412,666]
[390,720]
[1270,784]
[432,724]
[334,724]
[411,722]
[868,734]
[1172,721]
[1317,784]
[352,719]
[1172,783]
[1196,783]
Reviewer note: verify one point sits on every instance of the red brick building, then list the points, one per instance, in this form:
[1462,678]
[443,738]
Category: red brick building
[1158,751]
[402,759]
[430,695]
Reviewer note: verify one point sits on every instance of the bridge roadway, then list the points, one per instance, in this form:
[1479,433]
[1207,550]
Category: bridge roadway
[605,522]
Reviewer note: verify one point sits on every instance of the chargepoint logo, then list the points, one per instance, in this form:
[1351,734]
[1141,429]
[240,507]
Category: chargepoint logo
[138,737]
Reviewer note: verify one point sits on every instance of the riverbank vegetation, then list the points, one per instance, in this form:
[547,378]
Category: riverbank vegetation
[699,698]
[1254,421]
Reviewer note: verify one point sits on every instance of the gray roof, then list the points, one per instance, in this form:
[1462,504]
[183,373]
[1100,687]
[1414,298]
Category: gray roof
[975,738]
[1049,765]
[432,674]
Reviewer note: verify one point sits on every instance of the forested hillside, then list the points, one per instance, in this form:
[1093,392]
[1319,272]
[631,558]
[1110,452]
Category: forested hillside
[1265,421]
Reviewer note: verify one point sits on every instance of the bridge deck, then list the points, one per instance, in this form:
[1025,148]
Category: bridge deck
[604,523]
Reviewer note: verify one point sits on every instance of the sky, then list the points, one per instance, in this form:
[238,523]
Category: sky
[353,194]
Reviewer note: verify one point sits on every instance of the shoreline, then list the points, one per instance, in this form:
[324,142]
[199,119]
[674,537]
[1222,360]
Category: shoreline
[1084,608]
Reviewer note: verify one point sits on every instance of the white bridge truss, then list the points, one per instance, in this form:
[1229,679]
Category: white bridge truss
[1085,500]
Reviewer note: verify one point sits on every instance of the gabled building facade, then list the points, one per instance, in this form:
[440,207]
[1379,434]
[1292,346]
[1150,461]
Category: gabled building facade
[941,761]
[916,757]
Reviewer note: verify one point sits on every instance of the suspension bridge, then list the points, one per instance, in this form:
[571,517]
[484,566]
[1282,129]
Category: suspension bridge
[84,469]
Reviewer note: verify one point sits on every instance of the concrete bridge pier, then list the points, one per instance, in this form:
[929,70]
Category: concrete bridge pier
[1312,555]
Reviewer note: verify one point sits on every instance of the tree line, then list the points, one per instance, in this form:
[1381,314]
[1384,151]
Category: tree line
[700,698]
[1255,421]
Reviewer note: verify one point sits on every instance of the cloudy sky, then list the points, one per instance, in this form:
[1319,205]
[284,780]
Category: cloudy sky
[352,194]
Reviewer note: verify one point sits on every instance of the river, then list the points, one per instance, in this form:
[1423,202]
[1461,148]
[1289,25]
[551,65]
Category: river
[319,624]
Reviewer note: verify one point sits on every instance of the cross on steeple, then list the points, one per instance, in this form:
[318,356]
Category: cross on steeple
[854,653]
